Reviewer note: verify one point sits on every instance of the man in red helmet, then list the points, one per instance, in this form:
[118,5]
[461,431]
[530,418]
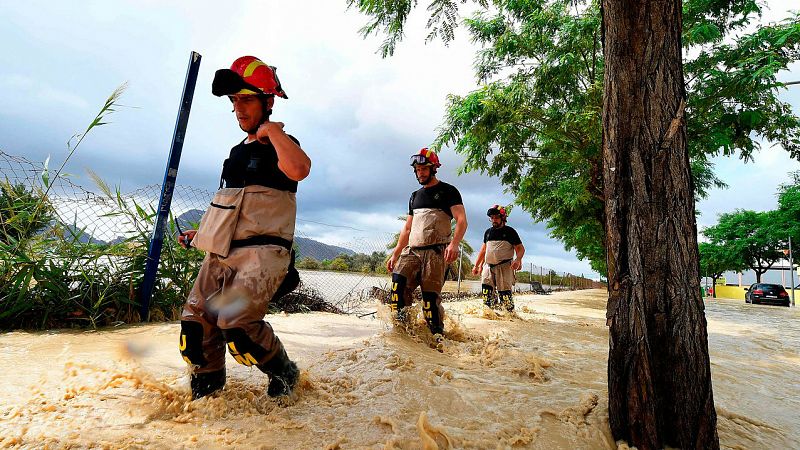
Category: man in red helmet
[247,235]
[426,244]
[500,242]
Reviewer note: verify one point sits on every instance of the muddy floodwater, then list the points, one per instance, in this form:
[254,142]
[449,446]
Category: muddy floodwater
[536,379]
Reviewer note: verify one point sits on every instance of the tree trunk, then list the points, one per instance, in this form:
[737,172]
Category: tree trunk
[759,273]
[659,376]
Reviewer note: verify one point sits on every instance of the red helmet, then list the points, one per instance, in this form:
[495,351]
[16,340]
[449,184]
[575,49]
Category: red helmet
[497,210]
[247,75]
[425,157]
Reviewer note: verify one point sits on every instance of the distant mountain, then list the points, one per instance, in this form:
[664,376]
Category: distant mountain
[318,250]
[117,240]
[190,219]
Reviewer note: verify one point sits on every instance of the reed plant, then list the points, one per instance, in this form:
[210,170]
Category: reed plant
[50,276]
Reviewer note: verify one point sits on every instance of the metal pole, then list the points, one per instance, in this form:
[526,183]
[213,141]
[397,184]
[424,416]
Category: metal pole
[167,187]
[460,257]
[791,268]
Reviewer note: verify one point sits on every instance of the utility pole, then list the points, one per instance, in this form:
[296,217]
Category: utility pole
[167,188]
[530,277]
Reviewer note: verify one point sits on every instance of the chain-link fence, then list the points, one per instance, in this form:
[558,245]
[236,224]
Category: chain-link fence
[342,264]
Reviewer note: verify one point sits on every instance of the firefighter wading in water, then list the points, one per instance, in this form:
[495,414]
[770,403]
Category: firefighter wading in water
[425,245]
[500,242]
[247,234]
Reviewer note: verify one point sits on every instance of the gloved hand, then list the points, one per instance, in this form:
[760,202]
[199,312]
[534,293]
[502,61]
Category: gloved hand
[185,238]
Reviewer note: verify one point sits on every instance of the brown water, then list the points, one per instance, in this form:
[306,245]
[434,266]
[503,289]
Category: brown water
[531,380]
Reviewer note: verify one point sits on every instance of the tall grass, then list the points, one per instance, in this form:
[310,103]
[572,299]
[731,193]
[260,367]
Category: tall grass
[49,278]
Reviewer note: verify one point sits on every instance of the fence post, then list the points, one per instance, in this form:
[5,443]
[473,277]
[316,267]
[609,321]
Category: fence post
[791,268]
[460,257]
[167,187]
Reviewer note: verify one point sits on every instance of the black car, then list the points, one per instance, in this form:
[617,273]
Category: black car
[767,293]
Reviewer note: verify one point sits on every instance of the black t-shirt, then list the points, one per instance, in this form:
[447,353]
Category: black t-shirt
[504,233]
[439,196]
[255,163]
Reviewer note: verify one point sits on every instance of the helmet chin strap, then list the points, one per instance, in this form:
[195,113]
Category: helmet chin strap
[264,119]
[430,175]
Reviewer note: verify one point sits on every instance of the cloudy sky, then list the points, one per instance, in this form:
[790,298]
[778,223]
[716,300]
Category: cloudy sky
[358,116]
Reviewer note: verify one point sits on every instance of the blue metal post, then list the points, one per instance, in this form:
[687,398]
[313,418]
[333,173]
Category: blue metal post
[167,188]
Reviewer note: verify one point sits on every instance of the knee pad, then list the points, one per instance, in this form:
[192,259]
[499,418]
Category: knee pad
[430,310]
[191,343]
[242,348]
[506,300]
[488,294]
[397,300]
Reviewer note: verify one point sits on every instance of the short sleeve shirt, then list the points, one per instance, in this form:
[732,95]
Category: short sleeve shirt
[256,164]
[504,233]
[439,196]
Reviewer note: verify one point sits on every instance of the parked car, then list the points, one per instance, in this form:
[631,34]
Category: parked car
[767,293]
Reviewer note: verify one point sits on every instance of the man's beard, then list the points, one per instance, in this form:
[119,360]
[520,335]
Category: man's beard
[253,130]
[264,119]
[424,181]
[497,225]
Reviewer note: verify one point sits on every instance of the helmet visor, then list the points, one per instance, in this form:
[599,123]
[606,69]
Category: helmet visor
[228,82]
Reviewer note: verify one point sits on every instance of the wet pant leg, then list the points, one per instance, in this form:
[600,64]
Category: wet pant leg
[433,271]
[259,270]
[487,287]
[405,278]
[504,281]
[201,342]
[226,307]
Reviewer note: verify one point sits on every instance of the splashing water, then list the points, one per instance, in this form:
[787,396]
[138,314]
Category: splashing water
[532,379]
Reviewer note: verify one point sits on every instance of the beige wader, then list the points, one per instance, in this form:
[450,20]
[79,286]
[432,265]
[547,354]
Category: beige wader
[422,264]
[497,275]
[229,300]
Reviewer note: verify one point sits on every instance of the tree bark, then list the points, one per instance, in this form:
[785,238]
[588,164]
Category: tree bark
[659,376]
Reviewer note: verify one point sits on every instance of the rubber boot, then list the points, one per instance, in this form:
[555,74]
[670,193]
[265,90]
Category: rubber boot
[430,309]
[207,383]
[283,374]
